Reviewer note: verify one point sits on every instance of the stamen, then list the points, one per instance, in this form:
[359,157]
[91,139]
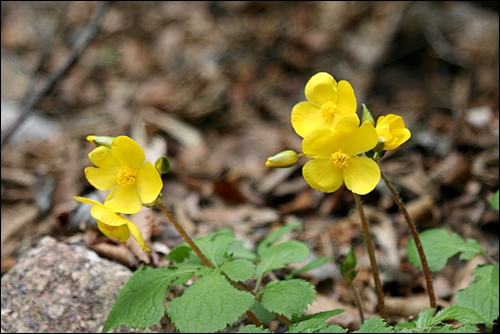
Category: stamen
[340,159]
[126,177]
[328,109]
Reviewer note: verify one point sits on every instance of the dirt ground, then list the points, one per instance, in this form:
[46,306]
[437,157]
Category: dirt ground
[211,85]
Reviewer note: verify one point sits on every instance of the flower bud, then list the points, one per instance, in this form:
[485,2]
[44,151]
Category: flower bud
[162,165]
[101,140]
[283,159]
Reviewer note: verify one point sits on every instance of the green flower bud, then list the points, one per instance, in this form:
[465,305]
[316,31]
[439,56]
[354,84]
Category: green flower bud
[162,165]
[283,159]
[101,140]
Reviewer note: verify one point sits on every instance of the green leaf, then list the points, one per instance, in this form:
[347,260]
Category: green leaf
[140,302]
[275,236]
[494,201]
[439,246]
[277,256]
[310,266]
[179,253]
[482,294]
[261,313]
[375,325]
[253,329]
[209,305]
[425,319]
[215,245]
[238,251]
[288,297]
[238,270]
[461,314]
[325,315]
[315,323]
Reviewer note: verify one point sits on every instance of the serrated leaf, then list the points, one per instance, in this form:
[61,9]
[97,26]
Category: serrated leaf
[310,266]
[277,256]
[325,315]
[333,329]
[239,251]
[288,297]
[307,326]
[140,302]
[461,314]
[261,313]
[253,329]
[470,249]
[238,270]
[179,253]
[275,236]
[214,246]
[482,294]
[425,319]
[209,305]
[439,246]
[375,325]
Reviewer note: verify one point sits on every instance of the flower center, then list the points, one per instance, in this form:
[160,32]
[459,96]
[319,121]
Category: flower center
[126,177]
[340,159]
[328,109]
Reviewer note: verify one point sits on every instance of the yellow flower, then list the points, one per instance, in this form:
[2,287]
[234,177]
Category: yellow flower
[113,224]
[335,157]
[392,129]
[327,103]
[122,168]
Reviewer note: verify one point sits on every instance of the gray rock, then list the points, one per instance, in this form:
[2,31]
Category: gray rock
[56,287]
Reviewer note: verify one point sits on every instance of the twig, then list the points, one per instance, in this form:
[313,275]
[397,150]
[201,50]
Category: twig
[373,260]
[32,100]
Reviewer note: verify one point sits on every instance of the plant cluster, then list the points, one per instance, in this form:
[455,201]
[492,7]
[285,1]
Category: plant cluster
[223,279]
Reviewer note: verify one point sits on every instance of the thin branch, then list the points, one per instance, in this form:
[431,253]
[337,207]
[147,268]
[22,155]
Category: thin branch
[32,100]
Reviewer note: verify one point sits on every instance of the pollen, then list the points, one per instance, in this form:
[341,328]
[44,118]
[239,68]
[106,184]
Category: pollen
[340,159]
[328,109]
[109,228]
[126,177]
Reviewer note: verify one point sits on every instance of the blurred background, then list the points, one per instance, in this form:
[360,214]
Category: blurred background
[212,84]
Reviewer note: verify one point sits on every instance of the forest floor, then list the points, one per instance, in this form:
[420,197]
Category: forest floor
[211,85]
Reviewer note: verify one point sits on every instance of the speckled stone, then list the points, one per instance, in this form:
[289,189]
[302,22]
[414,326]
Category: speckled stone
[58,287]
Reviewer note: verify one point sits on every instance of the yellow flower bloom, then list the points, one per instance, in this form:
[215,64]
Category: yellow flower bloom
[392,129]
[122,168]
[113,224]
[335,157]
[327,103]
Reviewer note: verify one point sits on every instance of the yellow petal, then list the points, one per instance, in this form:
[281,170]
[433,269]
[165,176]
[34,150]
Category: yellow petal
[322,175]
[121,232]
[86,200]
[148,183]
[362,175]
[102,178]
[361,140]
[99,154]
[104,214]
[321,88]
[306,117]
[320,144]
[128,152]
[346,125]
[137,235]
[346,103]
[124,200]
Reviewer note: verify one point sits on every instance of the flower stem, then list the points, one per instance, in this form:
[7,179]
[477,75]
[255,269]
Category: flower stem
[358,301]
[414,233]
[183,233]
[198,252]
[373,260]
